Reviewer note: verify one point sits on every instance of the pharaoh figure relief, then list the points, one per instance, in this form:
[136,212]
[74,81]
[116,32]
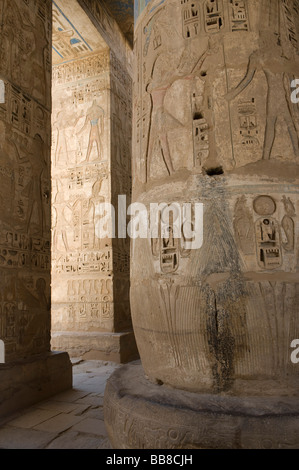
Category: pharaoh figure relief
[250,102]
[215,125]
[95,123]
[276,66]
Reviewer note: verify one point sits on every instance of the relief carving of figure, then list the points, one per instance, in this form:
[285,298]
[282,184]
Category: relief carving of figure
[11,26]
[8,160]
[62,120]
[24,43]
[34,189]
[244,228]
[288,228]
[96,198]
[95,122]
[38,58]
[59,226]
[271,60]
[161,121]
[61,150]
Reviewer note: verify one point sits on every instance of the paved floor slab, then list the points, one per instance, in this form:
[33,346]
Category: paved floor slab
[19,438]
[59,423]
[69,420]
[91,399]
[33,418]
[60,406]
[74,440]
[91,426]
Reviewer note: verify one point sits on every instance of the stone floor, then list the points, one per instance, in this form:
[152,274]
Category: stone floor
[69,420]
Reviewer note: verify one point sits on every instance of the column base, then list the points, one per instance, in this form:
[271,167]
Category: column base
[26,382]
[142,415]
[114,347]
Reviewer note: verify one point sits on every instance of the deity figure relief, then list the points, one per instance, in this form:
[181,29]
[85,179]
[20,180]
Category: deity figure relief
[95,123]
[96,199]
[62,120]
[61,150]
[24,43]
[15,152]
[244,228]
[38,59]
[37,297]
[288,228]
[11,25]
[60,224]
[271,60]
[161,121]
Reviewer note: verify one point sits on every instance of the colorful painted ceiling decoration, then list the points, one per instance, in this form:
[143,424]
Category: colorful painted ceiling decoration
[74,36]
[67,40]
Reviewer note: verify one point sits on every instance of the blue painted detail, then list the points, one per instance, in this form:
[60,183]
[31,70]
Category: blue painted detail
[154,8]
[73,27]
[75,41]
[54,49]
[60,29]
[140,5]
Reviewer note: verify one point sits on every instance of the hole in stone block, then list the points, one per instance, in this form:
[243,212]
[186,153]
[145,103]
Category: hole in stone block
[215,171]
[197,116]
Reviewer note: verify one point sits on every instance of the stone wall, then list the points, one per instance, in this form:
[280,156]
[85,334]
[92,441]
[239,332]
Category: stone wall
[82,263]
[91,154]
[29,372]
[25,192]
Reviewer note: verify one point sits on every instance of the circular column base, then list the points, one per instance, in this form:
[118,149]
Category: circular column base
[142,415]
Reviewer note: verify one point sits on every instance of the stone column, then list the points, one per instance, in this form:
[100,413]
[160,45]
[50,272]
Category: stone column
[91,155]
[30,372]
[214,124]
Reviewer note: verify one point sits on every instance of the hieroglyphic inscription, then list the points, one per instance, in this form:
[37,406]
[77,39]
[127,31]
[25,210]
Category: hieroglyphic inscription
[239,15]
[290,10]
[269,229]
[25,258]
[190,18]
[248,123]
[82,263]
[214,15]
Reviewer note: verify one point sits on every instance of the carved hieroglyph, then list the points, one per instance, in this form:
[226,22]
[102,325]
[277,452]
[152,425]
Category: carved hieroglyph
[214,123]
[91,155]
[25,259]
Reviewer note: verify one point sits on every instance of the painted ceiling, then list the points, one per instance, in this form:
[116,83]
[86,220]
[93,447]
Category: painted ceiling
[74,35]
[123,12]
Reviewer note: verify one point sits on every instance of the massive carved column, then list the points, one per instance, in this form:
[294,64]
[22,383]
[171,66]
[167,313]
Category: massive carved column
[30,372]
[215,124]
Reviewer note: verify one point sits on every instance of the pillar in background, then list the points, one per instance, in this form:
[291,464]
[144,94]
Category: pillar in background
[91,165]
[30,371]
[214,123]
